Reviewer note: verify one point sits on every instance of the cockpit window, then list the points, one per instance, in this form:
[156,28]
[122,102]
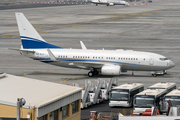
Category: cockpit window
[163,59]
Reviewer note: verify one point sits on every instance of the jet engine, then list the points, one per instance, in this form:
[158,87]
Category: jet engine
[111,4]
[111,70]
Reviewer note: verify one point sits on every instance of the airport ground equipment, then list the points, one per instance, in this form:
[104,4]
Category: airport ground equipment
[156,73]
[85,102]
[147,99]
[114,82]
[123,95]
[147,112]
[163,85]
[106,87]
[104,90]
[172,111]
[174,97]
[93,115]
[96,97]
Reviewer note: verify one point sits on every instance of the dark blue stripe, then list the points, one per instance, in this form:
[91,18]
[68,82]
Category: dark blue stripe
[47,60]
[32,43]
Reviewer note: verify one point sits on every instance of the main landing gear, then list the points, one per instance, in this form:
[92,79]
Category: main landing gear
[93,72]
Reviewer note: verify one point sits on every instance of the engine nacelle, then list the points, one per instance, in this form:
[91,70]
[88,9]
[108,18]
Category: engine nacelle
[111,4]
[111,70]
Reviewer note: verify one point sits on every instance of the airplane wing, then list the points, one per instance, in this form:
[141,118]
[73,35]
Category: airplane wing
[88,65]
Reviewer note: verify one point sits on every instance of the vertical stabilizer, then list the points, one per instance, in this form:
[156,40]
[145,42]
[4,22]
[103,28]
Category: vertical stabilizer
[30,38]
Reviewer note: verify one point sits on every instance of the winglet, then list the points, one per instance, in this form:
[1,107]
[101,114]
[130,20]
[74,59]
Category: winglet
[83,46]
[53,58]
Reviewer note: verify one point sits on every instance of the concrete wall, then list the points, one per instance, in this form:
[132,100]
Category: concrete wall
[7,111]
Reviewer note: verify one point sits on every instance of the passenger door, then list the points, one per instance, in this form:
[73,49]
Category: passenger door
[151,60]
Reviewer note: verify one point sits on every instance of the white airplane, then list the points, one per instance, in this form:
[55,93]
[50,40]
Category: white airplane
[110,2]
[105,62]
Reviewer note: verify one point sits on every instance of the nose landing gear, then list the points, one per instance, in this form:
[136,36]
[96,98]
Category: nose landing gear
[156,73]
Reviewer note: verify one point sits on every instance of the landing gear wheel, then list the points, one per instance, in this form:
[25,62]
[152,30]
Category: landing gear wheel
[165,72]
[90,74]
[154,75]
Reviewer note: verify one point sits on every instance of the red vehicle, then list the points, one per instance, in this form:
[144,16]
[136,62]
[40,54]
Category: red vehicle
[93,115]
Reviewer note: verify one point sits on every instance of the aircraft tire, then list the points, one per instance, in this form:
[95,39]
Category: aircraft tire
[90,74]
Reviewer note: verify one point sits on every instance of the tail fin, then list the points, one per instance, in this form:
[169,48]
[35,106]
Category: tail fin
[30,38]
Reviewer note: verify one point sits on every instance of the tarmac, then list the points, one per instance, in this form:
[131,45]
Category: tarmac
[152,28]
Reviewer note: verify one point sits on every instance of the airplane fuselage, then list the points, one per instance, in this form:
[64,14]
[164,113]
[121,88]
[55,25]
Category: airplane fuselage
[110,2]
[87,59]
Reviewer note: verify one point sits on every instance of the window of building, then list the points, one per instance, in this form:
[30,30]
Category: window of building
[43,117]
[75,106]
[54,115]
[64,111]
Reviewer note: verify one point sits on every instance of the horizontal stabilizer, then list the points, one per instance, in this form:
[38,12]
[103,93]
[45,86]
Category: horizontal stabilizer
[53,58]
[21,50]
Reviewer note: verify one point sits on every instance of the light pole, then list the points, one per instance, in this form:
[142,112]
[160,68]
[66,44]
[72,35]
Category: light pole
[20,102]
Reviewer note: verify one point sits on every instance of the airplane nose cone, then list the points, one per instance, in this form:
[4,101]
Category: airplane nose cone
[171,64]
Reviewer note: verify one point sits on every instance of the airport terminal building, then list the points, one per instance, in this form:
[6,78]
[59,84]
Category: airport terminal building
[44,100]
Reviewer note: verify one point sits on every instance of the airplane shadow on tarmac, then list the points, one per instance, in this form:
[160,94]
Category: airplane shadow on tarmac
[85,76]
